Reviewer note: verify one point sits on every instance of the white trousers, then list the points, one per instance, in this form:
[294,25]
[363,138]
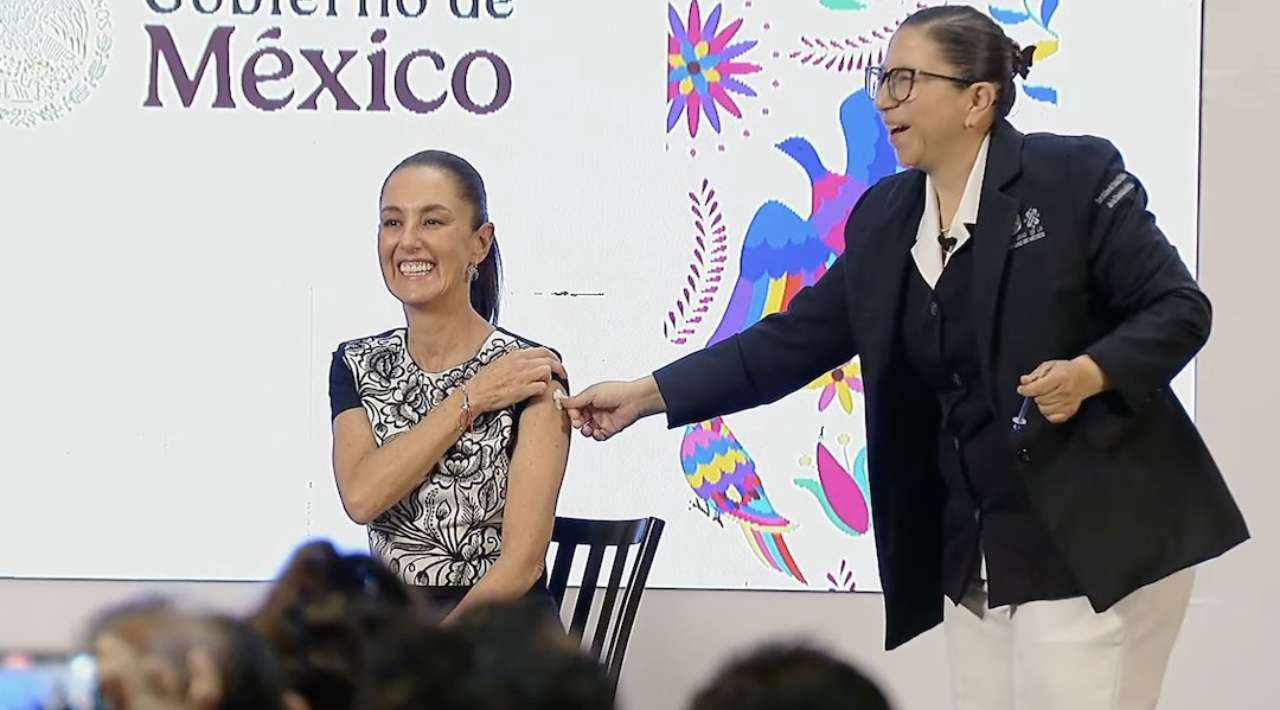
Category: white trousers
[1061,655]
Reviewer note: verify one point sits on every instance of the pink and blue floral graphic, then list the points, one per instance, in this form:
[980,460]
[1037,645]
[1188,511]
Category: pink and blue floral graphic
[703,68]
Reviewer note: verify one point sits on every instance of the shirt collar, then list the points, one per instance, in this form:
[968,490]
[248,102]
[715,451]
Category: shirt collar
[926,251]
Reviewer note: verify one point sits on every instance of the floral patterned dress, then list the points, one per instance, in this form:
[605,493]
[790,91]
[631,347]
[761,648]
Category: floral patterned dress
[447,531]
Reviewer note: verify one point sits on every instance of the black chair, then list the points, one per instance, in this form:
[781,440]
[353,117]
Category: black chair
[598,536]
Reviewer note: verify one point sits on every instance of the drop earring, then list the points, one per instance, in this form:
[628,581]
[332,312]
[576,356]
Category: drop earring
[473,273]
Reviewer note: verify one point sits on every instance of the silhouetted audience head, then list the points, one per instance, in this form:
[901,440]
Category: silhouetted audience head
[523,660]
[155,656]
[323,616]
[417,666]
[341,632]
[789,678]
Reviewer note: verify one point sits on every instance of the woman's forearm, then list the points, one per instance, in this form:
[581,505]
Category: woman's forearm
[650,397]
[506,581]
[388,473]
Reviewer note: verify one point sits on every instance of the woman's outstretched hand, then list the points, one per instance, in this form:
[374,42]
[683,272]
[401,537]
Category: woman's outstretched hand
[605,409]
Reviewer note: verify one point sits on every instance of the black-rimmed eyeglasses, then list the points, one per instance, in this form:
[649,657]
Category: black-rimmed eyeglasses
[900,81]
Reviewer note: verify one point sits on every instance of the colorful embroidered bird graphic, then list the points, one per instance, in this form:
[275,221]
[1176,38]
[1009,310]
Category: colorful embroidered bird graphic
[724,477]
[843,497]
[784,252]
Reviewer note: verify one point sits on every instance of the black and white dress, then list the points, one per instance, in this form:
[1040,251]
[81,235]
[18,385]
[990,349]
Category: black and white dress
[446,533]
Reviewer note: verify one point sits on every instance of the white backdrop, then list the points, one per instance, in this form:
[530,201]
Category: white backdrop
[173,279]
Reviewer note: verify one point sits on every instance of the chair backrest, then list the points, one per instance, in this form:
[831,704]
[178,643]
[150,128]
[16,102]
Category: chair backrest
[618,615]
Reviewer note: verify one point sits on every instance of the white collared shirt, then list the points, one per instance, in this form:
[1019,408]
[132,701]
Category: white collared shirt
[926,252]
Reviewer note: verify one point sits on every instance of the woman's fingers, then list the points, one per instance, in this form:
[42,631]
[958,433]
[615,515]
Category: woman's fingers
[543,356]
[1058,413]
[558,368]
[1044,385]
[593,428]
[545,369]
[1037,373]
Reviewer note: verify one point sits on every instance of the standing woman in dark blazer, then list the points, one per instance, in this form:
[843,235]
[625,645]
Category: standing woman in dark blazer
[1037,487]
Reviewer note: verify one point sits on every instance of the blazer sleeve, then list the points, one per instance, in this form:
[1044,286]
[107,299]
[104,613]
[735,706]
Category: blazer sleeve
[767,361]
[1163,317]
